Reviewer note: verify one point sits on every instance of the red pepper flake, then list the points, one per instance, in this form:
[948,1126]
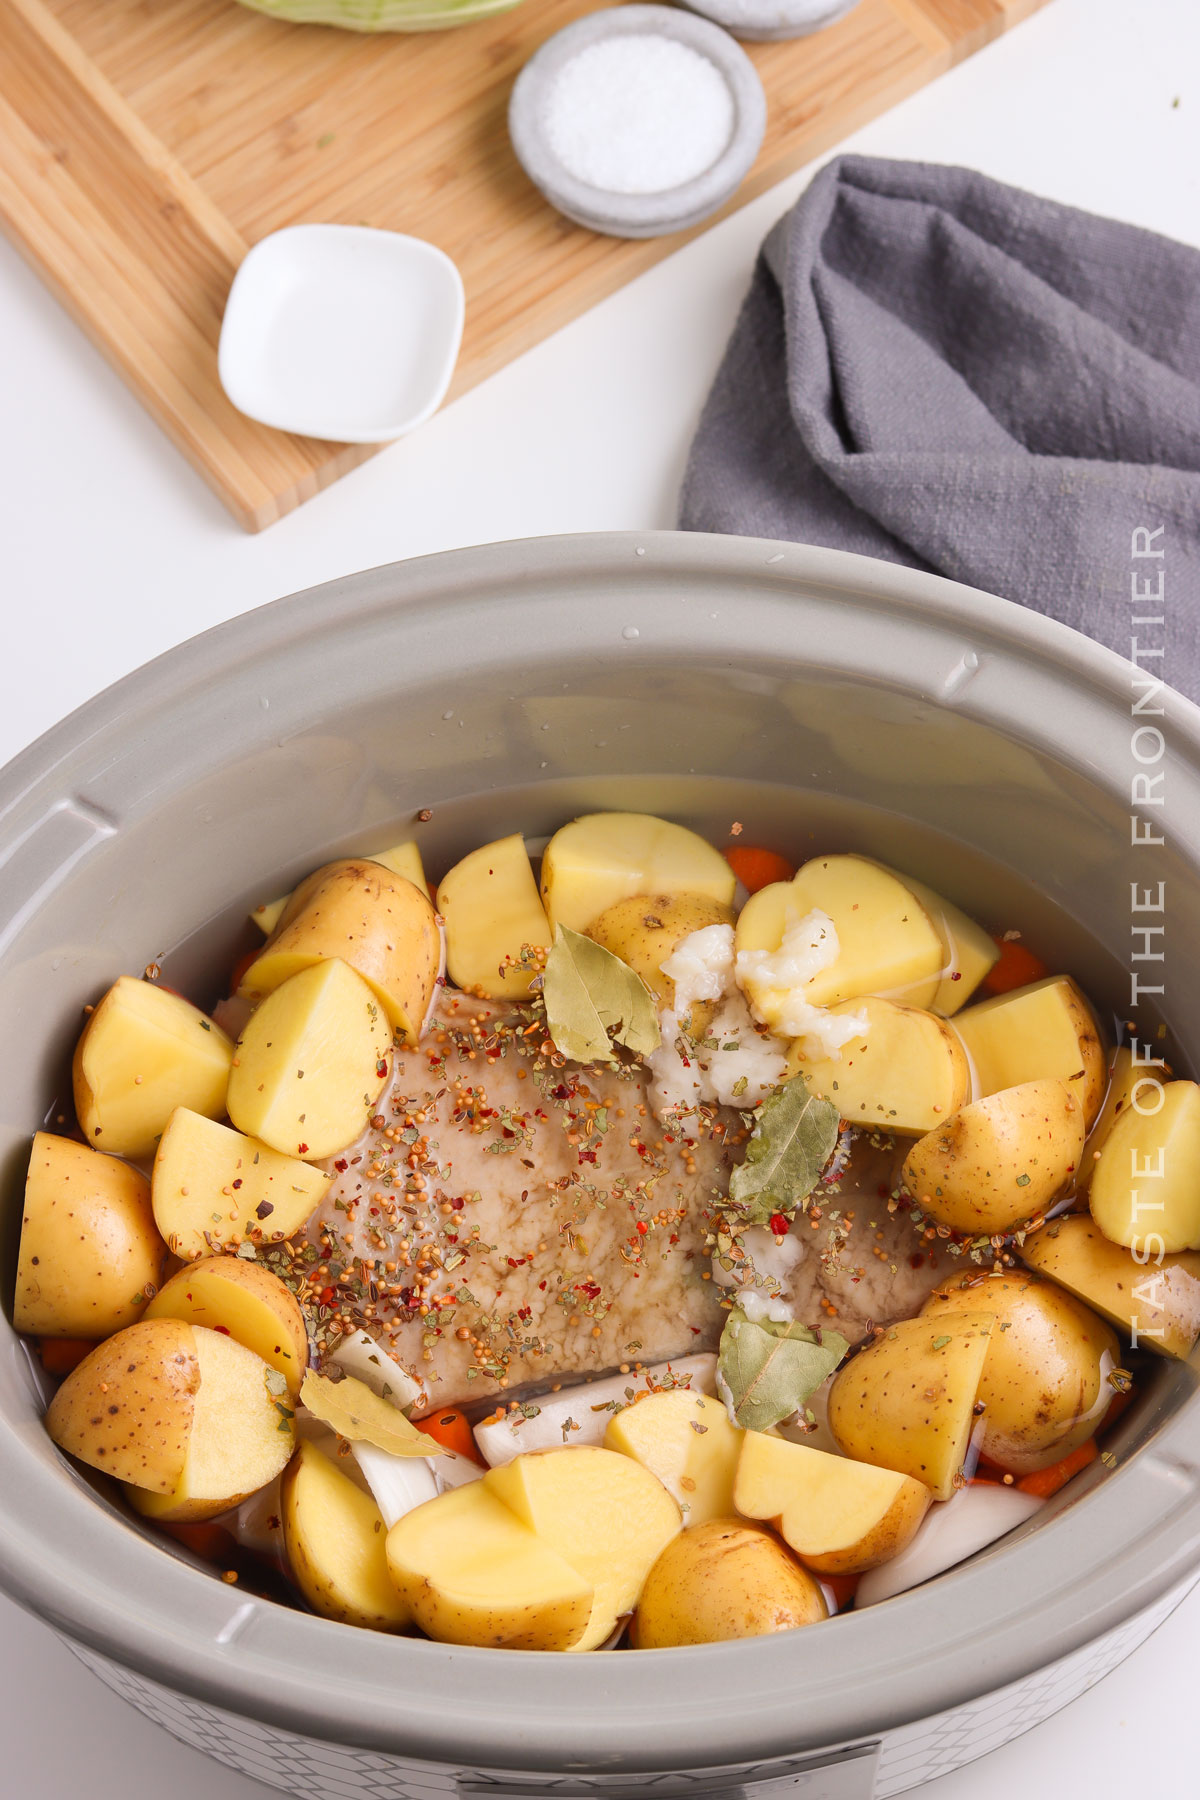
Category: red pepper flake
[237,1184]
[642,1228]
[341,1165]
[300,1149]
[778,1224]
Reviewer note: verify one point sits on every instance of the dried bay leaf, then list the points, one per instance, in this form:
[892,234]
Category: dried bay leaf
[354,1412]
[795,1134]
[765,1370]
[593,1000]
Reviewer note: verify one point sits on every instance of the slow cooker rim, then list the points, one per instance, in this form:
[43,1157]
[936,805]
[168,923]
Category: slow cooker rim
[96,1606]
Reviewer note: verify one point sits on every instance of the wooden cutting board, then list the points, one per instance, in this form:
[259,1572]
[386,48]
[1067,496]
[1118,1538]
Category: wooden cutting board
[146,144]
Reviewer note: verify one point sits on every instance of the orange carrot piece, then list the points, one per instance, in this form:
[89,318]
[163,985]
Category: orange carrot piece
[1016,968]
[214,1542]
[61,1355]
[240,967]
[842,1587]
[757,868]
[451,1429]
[1044,1482]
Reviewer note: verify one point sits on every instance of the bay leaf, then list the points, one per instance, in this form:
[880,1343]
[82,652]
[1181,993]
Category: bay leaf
[354,1412]
[795,1134]
[593,1000]
[765,1370]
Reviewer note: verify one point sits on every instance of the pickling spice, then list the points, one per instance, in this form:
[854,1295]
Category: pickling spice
[638,114]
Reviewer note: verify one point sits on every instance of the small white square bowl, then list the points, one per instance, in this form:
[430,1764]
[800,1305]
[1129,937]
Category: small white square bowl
[341,332]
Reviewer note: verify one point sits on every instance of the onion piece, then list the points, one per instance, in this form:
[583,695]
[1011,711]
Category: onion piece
[361,1356]
[948,1534]
[580,1414]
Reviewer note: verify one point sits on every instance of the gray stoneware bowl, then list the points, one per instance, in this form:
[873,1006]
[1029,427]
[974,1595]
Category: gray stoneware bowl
[505,688]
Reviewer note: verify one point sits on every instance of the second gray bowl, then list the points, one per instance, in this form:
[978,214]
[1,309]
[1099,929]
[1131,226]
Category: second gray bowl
[665,210]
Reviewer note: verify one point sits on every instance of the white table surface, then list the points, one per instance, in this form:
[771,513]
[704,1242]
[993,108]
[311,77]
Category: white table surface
[112,550]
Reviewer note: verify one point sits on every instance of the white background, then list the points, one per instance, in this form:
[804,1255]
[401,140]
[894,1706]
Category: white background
[112,550]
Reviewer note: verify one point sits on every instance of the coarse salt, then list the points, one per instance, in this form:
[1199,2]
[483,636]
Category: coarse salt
[638,114]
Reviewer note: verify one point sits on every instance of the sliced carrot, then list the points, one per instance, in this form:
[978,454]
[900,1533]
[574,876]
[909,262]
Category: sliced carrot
[213,1542]
[450,1428]
[1044,1482]
[61,1355]
[1016,968]
[239,969]
[842,1587]
[757,868]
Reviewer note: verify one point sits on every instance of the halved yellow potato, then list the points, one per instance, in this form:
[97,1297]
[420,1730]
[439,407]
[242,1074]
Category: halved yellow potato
[838,1515]
[90,1254]
[886,941]
[907,1402]
[128,1407]
[908,1073]
[143,1052]
[688,1442]
[241,1432]
[645,929]
[1037,1033]
[602,1513]
[232,1294]
[999,1160]
[472,1572]
[311,1062]
[604,857]
[358,913]
[721,1580]
[1156,1302]
[1044,1385]
[492,911]
[268,915]
[1125,1078]
[967,950]
[337,1545]
[1145,1190]
[212,1187]
[403,859]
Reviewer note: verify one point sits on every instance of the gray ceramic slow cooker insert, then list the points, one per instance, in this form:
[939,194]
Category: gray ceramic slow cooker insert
[815,697]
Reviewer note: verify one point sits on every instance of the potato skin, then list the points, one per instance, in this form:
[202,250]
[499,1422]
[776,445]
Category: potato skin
[1157,1303]
[128,1408]
[644,929]
[999,1160]
[363,914]
[90,1255]
[1045,1369]
[720,1580]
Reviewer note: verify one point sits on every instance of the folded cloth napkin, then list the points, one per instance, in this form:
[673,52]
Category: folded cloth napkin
[945,372]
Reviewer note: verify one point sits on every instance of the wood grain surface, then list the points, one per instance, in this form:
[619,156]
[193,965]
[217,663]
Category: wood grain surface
[146,144]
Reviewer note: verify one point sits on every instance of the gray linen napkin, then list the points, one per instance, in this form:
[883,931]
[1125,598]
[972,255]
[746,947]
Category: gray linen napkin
[941,371]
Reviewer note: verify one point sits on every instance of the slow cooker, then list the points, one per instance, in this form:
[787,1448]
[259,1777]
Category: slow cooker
[811,696]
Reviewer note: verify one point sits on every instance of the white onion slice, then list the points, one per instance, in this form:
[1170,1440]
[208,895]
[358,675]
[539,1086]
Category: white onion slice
[360,1355]
[588,1406]
[948,1534]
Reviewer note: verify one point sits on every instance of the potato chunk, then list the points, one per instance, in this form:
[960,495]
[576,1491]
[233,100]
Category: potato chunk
[999,1160]
[604,857]
[838,1515]
[967,951]
[1044,1385]
[720,1580]
[231,1294]
[1125,1079]
[311,1062]
[128,1407]
[240,1436]
[337,1545]
[362,914]
[212,1186]
[688,1442]
[492,910]
[645,929]
[606,1516]
[144,1052]
[1145,1190]
[886,941]
[907,1401]
[90,1254]
[472,1572]
[1156,1302]
[1036,1033]
[907,1075]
